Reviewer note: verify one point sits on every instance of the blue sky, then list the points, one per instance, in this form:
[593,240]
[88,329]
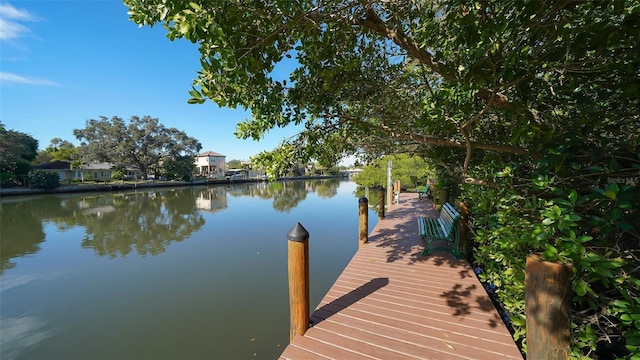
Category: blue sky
[65,62]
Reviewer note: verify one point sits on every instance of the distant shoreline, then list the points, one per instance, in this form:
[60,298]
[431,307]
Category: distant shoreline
[17,191]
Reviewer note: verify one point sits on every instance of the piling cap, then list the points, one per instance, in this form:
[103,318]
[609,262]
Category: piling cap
[298,233]
[363,200]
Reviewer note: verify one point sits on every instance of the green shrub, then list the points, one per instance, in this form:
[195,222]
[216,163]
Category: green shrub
[575,212]
[39,179]
[7,180]
[117,175]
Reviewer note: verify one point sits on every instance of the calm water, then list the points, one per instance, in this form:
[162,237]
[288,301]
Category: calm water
[176,273]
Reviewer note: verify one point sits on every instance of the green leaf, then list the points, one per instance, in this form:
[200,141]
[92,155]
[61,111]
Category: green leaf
[610,194]
[584,239]
[624,204]
[574,217]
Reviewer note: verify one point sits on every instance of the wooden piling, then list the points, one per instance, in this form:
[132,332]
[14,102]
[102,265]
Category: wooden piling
[465,241]
[444,196]
[381,192]
[298,264]
[363,223]
[547,306]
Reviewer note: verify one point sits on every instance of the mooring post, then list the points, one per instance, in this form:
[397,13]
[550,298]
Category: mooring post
[381,192]
[548,305]
[363,223]
[444,196]
[298,263]
[390,195]
[465,243]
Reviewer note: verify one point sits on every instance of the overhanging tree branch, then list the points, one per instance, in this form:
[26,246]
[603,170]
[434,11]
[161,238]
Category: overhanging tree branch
[441,142]
[373,22]
[467,137]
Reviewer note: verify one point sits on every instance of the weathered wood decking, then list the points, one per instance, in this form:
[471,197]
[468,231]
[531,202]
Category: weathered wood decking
[391,302]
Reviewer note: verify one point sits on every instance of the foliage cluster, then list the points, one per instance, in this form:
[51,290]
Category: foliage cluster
[40,179]
[578,214]
[17,150]
[142,142]
[59,149]
[117,175]
[179,167]
[412,171]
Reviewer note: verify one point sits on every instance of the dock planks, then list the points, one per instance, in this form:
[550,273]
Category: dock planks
[390,302]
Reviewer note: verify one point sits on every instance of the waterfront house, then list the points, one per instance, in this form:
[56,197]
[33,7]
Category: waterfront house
[92,171]
[103,171]
[211,164]
[60,167]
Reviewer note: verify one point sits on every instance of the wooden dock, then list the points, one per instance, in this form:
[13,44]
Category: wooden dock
[390,302]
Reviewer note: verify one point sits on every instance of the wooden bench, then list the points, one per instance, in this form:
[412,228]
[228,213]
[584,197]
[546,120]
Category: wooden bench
[441,233]
[425,193]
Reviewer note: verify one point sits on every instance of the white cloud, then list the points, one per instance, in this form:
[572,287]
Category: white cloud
[20,333]
[10,22]
[6,77]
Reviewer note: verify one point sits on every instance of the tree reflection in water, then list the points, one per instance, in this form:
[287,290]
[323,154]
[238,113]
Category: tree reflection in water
[20,232]
[287,195]
[144,222]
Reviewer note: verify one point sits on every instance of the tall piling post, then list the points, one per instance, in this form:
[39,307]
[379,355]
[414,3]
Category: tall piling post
[463,225]
[444,196]
[381,192]
[548,308]
[363,221]
[298,264]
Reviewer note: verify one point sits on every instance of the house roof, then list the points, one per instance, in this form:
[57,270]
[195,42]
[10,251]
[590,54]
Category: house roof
[54,165]
[106,166]
[211,153]
[97,166]
[66,165]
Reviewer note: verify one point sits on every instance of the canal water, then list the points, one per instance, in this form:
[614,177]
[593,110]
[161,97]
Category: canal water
[170,273]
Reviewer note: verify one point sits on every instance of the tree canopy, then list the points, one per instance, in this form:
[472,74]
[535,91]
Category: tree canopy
[140,141]
[510,77]
[17,150]
[412,171]
[60,149]
[536,100]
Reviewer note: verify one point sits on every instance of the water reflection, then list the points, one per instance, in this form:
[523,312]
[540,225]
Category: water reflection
[287,195]
[197,300]
[20,232]
[20,333]
[143,222]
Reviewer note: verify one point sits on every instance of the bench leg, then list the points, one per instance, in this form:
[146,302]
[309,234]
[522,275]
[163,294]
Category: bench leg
[444,245]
